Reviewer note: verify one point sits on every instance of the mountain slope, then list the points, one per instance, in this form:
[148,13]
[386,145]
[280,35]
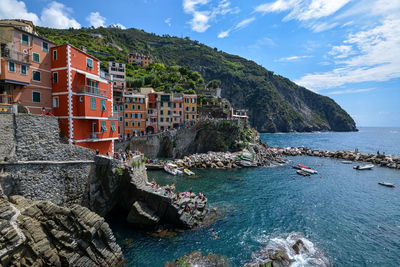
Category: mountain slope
[275,103]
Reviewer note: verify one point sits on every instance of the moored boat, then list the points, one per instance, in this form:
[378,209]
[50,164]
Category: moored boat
[296,167]
[300,172]
[304,166]
[347,162]
[170,170]
[311,171]
[188,172]
[386,184]
[363,167]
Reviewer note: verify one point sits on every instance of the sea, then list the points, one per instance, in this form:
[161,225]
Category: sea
[343,216]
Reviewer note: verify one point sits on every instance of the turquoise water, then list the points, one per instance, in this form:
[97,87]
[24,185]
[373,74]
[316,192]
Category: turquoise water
[367,140]
[345,213]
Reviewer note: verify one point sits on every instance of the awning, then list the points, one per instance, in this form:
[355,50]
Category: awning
[14,82]
[92,76]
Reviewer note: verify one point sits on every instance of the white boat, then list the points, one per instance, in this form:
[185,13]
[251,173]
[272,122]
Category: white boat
[172,165]
[188,172]
[347,162]
[363,167]
[170,170]
[387,184]
[311,171]
[178,171]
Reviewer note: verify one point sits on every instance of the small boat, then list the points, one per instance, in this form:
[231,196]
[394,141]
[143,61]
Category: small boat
[170,170]
[347,162]
[296,167]
[304,166]
[300,172]
[188,172]
[311,171]
[387,184]
[363,167]
[178,171]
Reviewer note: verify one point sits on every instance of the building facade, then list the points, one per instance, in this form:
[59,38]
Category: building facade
[135,111]
[138,58]
[164,111]
[177,110]
[118,73]
[152,113]
[190,108]
[25,67]
[82,100]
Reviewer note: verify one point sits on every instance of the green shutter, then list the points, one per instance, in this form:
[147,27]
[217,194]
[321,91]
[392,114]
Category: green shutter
[103,104]
[93,103]
[112,126]
[103,126]
[36,75]
[25,39]
[36,97]
[36,57]
[45,47]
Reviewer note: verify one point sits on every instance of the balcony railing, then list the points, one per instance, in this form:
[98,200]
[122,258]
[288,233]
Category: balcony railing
[5,99]
[86,89]
[15,56]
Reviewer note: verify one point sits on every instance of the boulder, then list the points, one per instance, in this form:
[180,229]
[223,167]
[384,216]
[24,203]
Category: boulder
[141,215]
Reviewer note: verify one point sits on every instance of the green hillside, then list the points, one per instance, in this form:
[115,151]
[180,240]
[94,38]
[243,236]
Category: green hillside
[275,103]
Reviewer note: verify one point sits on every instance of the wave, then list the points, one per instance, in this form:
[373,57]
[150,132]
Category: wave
[291,249]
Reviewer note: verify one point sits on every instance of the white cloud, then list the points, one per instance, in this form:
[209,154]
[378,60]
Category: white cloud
[350,91]
[117,25]
[57,15]
[242,24]
[96,20]
[168,22]
[13,9]
[303,9]
[201,19]
[322,26]
[290,59]
[377,58]
[224,34]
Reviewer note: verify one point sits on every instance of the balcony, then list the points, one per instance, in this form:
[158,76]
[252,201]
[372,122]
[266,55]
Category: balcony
[16,56]
[86,89]
[5,99]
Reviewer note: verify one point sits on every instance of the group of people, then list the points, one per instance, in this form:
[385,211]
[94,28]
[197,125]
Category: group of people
[127,155]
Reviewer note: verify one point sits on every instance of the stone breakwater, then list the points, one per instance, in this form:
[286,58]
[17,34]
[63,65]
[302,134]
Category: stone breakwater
[229,160]
[381,160]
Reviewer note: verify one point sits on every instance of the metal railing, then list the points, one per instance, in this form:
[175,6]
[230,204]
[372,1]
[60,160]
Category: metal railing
[93,90]
[5,99]
[15,56]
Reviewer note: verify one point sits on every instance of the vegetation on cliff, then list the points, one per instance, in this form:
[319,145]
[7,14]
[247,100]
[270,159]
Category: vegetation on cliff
[274,102]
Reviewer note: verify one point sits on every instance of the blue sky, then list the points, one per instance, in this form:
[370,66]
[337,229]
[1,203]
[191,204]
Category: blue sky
[345,49]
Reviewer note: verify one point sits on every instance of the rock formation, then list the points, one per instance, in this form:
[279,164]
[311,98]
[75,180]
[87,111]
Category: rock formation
[195,258]
[40,233]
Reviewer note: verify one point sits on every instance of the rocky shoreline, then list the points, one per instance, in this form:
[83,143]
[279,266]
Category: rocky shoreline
[381,160]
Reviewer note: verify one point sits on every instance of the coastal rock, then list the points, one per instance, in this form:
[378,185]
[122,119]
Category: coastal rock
[195,258]
[40,233]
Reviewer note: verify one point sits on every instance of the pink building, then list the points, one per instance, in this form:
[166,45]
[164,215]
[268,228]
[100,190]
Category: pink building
[177,110]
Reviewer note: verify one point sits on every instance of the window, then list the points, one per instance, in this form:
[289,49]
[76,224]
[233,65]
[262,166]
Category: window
[56,102]
[102,104]
[138,124]
[193,100]
[103,126]
[138,107]
[120,118]
[121,108]
[23,69]
[162,119]
[186,100]
[93,103]
[11,66]
[126,115]
[126,106]
[192,108]
[112,126]
[126,124]
[35,57]
[180,112]
[55,77]
[89,63]
[133,106]
[169,112]
[54,54]
[133,124]
[162,112]
[25,39]
[180,105]
[36,75]
[36,97]
[116,108]
[187,116]
[193,117]
[45,47]
[187,108]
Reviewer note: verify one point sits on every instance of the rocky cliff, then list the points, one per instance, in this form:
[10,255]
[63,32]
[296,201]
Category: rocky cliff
[212,135]
[40,233]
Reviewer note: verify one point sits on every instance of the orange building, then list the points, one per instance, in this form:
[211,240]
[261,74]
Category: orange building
[82,100]
[135,111]
[141,59]
[190,108]
[25,67]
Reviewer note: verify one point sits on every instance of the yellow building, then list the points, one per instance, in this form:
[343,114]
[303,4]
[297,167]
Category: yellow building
[135,111]
[190,109]
[165,113]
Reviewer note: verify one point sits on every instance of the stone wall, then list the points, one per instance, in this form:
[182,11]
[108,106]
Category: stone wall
[7,139]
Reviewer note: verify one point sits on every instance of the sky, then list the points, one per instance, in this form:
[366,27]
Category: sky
[347,50]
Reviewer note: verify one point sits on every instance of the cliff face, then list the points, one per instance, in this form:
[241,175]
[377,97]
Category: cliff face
[40,233]
[275,103]
[205,136]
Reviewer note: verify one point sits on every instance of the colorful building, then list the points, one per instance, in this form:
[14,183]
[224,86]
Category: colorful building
[190,108]
[82,100]
[164,111]
[25,67]
[177,110]
[152,113]
[118,73]
[135,111]
[138,58]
